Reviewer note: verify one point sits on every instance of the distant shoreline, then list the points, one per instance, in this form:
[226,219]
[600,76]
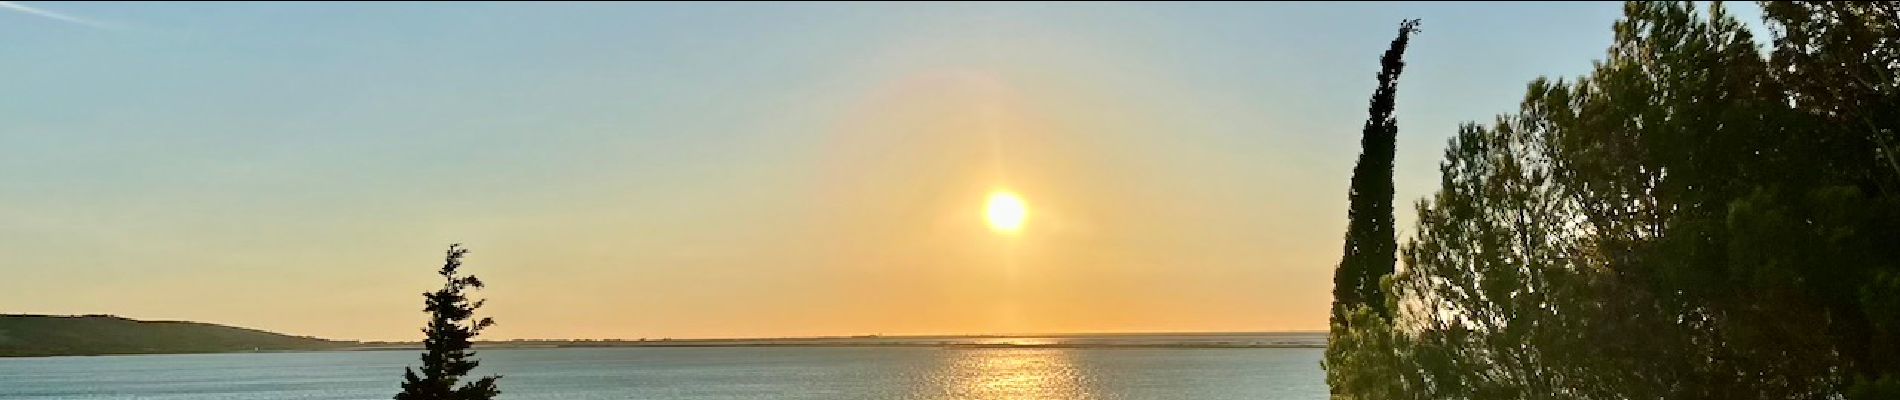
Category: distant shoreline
[1180,341]
[27,335]
[686,344]
[1072,340]
[1192,340]
[498,346]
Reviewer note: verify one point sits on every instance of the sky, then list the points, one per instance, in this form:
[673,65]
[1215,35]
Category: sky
[724,170]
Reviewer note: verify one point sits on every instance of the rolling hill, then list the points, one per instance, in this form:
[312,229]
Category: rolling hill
[59,335]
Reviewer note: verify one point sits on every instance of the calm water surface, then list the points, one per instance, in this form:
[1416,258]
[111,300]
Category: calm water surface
[697,373]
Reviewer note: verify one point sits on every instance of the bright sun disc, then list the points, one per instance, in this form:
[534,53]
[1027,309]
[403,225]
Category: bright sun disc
[1006,212]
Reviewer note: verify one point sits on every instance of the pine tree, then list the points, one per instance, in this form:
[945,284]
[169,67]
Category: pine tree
[1694,218]
[447,356]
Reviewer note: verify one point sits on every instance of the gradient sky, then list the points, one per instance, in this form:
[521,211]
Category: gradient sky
[723,170]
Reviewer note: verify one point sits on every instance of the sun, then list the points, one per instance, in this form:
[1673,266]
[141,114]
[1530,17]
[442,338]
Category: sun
[1006,212]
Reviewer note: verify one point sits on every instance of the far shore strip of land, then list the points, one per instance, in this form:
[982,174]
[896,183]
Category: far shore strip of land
[689,344]
[1177,341]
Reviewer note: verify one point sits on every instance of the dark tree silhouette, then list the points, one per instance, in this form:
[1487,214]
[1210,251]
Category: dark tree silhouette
[1371,242]
[447,356]
[1695,218]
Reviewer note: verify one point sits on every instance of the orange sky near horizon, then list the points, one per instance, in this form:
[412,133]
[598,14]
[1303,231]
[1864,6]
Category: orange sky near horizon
[887,235]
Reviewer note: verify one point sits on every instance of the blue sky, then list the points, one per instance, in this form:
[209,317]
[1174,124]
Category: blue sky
[727,169]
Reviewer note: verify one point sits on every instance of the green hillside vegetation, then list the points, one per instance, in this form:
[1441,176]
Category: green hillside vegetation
[54,335]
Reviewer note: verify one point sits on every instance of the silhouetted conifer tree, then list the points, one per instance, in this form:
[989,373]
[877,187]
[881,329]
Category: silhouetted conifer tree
[447,356]
[1371,242]
[1698,217]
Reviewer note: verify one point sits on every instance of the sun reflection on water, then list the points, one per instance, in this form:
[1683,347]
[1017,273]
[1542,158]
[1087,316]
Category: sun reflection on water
[1014,341]
[997,374]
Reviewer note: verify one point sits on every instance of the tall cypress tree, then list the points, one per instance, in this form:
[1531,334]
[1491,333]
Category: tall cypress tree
[447,356]
[1371,241]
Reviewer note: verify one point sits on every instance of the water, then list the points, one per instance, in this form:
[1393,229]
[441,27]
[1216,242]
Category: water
[697,373]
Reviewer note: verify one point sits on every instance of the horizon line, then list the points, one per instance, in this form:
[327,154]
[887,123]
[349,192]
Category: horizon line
[720,338]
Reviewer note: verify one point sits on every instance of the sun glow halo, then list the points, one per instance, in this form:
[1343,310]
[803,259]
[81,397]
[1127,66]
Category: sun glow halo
[1006,212]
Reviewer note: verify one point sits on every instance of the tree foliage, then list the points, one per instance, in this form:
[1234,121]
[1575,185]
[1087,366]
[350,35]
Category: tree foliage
[447,357]
[1701,217]
[1371,244]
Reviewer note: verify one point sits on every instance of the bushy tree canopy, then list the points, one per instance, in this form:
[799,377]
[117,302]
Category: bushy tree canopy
[1703,216]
